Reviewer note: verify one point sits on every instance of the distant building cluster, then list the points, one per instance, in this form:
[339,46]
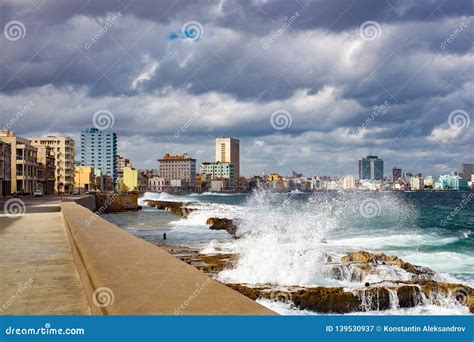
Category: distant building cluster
[47,165]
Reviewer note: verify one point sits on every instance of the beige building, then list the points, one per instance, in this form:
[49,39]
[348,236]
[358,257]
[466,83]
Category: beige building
[23,163]
[159,184]
[228,151]
[84,179]
[5,169]
[180,168]
[64,154]
[348,182]
[46,170]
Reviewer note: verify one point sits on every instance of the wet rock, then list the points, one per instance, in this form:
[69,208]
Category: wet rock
[375,297]
[326,300]
[217,223]
[177,208]
[368,261]
[409,296]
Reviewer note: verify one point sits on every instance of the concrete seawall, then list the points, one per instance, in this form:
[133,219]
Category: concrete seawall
[124,275]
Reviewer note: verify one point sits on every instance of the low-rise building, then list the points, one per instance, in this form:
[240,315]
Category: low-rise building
[63,151]
[130,179]
[5,169]
[159,184]
[416,183]
[348,182]
[180,170]
[220,170]
[449,182]
[84,179]
[46,170]
[23,162]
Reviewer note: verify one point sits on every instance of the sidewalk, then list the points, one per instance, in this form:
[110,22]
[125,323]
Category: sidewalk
[37,273]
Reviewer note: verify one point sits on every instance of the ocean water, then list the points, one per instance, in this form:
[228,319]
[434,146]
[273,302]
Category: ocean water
[286,239]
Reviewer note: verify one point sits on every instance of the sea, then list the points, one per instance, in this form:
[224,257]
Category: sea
[285,238]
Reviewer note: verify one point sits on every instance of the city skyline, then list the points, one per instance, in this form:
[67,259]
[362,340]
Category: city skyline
[302,91]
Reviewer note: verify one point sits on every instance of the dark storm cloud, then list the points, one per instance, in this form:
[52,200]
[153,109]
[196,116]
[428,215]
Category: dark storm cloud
[318,68]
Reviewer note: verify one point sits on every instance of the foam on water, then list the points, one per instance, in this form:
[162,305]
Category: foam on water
[287,240]
[284,241]
[289,310]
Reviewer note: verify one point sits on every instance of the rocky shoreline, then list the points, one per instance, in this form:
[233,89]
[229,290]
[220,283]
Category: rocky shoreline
[418,286]
[380,296]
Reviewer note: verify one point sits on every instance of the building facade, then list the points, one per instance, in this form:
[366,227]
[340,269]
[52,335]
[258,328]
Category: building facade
[99,149]
[46,170]
[180,168]
[85,179]
[5,169]
[371,168]
[467,171]
[220,170]
[130,179]
[23,162]
[396,174]
[228,151]
[63,151]
[159,184]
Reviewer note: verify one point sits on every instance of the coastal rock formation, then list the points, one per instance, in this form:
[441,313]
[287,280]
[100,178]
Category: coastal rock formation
[217,223]
[359,264]
[378,297]
[210,264]
[177,208]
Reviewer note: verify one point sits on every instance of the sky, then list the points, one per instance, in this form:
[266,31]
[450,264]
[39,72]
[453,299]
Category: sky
[307,86]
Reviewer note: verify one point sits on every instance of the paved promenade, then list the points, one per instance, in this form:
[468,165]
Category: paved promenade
[60,258]
[37,272]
